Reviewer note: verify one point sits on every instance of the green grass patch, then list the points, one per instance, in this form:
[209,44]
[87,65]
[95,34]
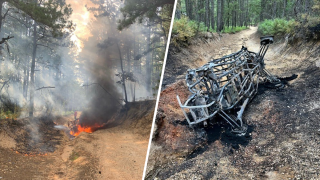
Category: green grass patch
[73,156]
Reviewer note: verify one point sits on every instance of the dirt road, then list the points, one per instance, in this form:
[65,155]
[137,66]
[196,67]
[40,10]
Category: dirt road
[117,152]
[284,130]
[105,154]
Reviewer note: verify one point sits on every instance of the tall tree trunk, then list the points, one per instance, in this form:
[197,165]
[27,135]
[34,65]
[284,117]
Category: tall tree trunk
[1,20]
[221,19]
[218,15]
[122,78]
[1,17]
[262,10]
[148,60]
[33,65]
[247,14]
[207,6]
[134,92]
[307,6]
[25,82]
[212,14]
[178,10]
[128,59]
[189,9]
[228,13]
[233,14]
[285,2]
[135,51]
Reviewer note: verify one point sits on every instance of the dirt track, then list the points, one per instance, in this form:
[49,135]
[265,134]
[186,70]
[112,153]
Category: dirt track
[283,141]
[114,153]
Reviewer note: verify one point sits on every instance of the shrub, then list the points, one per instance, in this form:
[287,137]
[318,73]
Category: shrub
[184,29]
[311,27]
[8,114]
[277,27]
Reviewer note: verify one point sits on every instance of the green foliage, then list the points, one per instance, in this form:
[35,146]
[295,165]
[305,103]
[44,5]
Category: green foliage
[184,29]
[277,27]
[52,13]
[234,29]
[202,11]
[136,11]
[9,115]
[166,13]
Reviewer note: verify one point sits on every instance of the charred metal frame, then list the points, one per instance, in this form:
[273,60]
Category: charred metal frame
[225,85]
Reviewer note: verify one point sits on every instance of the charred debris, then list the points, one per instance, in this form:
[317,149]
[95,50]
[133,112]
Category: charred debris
[223,87]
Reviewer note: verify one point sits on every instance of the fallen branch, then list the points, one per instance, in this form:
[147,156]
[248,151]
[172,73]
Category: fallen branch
[45,88]
[4,83]
[6,39]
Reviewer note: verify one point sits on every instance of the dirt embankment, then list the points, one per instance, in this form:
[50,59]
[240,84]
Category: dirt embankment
[117,152]
[284,130]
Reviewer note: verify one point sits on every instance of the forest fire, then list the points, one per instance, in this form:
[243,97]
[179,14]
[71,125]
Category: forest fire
[77,129]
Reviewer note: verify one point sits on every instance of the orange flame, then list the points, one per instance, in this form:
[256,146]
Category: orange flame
[87,129]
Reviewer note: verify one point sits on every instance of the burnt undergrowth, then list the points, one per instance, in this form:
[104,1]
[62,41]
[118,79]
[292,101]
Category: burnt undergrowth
[33,137]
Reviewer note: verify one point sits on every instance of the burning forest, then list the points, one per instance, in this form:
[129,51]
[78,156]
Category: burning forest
[70,68]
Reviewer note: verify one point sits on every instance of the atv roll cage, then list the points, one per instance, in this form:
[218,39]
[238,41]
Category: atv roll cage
[224,86]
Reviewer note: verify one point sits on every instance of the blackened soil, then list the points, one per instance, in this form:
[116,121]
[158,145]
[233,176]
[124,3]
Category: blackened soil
[34,137]
[174,67]
[285,139]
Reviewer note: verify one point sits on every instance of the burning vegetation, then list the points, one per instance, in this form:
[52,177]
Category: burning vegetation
[77,128]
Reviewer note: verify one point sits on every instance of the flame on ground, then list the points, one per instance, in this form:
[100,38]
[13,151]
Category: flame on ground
[88,129]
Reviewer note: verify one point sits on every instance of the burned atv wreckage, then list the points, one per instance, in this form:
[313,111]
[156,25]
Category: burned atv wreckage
[225,86]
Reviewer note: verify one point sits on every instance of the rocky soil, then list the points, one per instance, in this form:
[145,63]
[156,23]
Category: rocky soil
[283,139]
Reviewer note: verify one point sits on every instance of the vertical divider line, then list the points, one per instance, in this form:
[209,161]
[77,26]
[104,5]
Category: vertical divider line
[159,90]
